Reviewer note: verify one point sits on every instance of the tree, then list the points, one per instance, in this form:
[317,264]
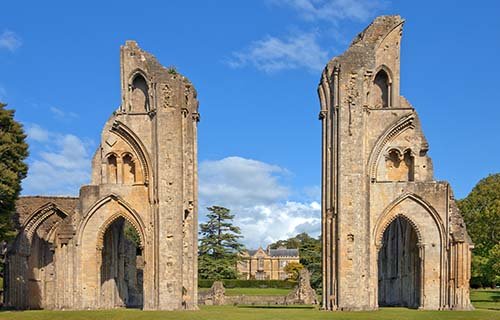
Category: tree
[481,212]
[219,245]
[310,255]
[13,152]
[293,269]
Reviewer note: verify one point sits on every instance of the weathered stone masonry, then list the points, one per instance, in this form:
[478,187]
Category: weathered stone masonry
[71,253]
[392,235]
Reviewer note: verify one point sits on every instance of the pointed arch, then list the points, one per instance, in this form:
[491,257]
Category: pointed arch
[387,223]
[127,212]
[389,215]
[111,220]
[39,216]
[112,167]
[137,72]
[387,71]
[136,145]
[394,130]
[139,93]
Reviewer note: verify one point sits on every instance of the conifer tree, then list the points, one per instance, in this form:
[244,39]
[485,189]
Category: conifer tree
[13,152]
[219,245]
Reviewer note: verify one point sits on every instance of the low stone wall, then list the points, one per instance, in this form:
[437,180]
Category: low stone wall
[256,300]
[302,294]
[207,299]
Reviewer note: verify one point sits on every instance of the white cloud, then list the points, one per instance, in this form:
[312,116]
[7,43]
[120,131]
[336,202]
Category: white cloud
[264,224]
[37,133]
[272,54]
[332,10]
[60,167]
[302,49]
[62,115]
[241,180]
[256,194]
[10,40]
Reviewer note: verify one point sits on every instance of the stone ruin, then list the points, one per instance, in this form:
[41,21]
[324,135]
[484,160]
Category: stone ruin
[303,292]
[130,238]
[392,234]
[216,296]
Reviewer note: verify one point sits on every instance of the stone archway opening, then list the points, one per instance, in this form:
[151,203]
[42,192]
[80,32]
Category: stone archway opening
[122,267]
[399,267]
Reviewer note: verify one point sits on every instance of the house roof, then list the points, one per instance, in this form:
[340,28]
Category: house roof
[283,252]
[280,252]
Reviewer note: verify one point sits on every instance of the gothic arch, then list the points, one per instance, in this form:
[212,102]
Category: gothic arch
[389,215]
[387,223]
[111,153]
[389,135]
[380,93]
[138,75]
[138,72]
[90,240]
[37,218]
[387,71]
[136,145]
[111,161]
[113,218]
[127,212]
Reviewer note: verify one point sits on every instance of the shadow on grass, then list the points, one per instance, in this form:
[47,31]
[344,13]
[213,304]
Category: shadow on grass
[275,307]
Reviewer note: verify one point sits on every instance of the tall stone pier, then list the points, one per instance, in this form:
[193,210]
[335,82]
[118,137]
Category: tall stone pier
[392,234]
[130,238]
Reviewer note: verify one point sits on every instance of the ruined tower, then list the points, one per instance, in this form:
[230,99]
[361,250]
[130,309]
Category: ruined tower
[130,238]
[392,235]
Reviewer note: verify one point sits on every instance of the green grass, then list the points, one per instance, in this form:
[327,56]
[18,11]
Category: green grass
[486,301]
[251,313]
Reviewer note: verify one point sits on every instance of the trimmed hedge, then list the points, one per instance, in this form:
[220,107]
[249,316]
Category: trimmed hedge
[236,283]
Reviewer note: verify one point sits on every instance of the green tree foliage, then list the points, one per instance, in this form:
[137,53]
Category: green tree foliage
[13,151]
[219,245]
[310,255]
[481,212]
[293,269]
[131,234]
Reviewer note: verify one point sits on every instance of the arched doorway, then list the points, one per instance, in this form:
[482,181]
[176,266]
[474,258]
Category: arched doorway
[399,265]
[122,265]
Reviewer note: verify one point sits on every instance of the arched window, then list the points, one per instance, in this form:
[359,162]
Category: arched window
[140,98]
[128,169]
[381,90]
[112,169]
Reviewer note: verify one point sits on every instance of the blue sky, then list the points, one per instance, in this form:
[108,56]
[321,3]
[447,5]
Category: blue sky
[256,65]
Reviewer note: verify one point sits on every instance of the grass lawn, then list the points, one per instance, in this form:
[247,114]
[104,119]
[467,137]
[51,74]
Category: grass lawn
[485,301]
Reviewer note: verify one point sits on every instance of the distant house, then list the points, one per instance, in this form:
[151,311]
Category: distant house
[267,264]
